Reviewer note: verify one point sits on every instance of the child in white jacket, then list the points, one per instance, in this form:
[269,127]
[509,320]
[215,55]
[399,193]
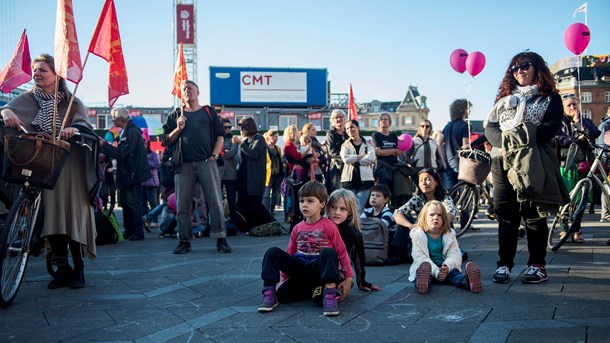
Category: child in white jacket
[436,254]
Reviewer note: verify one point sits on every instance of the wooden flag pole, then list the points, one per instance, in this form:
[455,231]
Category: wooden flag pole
[65,121]
[55,112]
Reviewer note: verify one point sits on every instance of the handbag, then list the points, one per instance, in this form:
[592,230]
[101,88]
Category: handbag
[474,166]
[34,158]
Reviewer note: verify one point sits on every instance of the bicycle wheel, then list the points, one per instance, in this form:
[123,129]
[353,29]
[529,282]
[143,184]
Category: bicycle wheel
[466,199]
[14,247]
[568,217]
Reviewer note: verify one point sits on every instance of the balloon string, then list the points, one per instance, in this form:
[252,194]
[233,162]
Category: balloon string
[578,64]
[468,86]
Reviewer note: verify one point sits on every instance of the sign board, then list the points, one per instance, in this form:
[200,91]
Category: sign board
[285,87]
[185,24]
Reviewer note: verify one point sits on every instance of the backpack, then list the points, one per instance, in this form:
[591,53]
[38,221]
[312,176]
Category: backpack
[106,233]
[375,236]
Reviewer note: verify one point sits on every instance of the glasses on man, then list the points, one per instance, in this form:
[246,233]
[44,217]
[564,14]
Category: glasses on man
[227,127]
[523,66]
[425,126]
[568,96]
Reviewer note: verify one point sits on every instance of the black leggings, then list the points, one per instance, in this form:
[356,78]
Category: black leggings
[303,277]
[59,247]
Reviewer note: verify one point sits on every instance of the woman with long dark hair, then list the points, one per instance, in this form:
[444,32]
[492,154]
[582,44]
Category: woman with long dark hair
[528,109]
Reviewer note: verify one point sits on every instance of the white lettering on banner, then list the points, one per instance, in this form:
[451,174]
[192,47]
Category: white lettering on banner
[273,87]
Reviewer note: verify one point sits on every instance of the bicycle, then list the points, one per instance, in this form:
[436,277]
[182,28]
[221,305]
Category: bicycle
[21,236]
[466,197]
[569,218]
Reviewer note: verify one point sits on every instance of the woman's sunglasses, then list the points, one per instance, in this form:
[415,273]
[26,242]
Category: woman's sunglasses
[425,126]
[522,66]
[227,127]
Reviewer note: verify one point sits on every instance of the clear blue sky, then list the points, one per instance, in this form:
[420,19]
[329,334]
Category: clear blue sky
[381,47]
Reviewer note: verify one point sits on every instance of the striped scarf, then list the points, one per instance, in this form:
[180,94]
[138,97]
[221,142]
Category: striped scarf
[43,122]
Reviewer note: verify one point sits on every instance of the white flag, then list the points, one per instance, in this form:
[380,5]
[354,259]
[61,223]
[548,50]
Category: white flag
[581,8]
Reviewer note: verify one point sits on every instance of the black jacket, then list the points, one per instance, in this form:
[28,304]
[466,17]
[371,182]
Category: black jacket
[132,160]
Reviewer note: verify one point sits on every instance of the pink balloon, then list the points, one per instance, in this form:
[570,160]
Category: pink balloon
[405,142]
[458,60]
[577,38]
[475,63]
[171,202]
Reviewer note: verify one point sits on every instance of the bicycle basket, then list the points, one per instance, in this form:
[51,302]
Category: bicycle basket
[474,166]
[34,158]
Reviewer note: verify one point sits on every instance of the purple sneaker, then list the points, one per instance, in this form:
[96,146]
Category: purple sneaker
[269,301]
[329,302]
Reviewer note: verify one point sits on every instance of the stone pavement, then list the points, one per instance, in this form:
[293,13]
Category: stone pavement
[142,292]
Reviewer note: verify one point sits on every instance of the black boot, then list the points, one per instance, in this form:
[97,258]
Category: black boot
[222,245]
[63,275]
[78,279]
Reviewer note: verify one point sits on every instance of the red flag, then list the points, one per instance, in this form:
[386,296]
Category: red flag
[67,53]
[106,43]
[179,73]
[19,69]
[351,105]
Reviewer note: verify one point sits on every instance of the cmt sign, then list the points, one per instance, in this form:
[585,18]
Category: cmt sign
[269,87]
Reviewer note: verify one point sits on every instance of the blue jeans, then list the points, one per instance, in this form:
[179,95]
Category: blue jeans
[450,178]
[455,278]
[185,180]
[362,197]
[153,215]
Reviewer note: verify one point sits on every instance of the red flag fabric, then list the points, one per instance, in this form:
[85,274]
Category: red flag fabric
[67,54]
[351,105]
[19,69]
[179,73]
[106,43]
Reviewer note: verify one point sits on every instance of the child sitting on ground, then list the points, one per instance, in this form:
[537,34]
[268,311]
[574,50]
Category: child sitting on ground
[342,210]
[379,198]
[436,254]
[315,256]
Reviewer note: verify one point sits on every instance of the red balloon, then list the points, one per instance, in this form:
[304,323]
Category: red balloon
[475,63]
[577,38]
[458,60]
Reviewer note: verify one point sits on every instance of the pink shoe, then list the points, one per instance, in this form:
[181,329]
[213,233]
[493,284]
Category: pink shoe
[474,277]
[423,278]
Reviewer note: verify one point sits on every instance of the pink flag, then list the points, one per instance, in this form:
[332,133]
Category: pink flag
[19,69]
[67,54]
[351,105]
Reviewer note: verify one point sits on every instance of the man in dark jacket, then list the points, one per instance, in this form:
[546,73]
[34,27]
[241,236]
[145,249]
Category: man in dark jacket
[132,171]
[334,139]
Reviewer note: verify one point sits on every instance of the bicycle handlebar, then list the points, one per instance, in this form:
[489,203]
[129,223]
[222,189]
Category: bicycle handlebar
[584,133]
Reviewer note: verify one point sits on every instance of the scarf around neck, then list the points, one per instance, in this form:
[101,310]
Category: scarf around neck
[518,107]
[43,122]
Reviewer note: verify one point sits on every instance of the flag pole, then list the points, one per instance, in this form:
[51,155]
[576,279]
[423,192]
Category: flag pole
[55,112]
[65,121]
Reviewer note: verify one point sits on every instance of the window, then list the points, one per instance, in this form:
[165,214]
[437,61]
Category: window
[104,121]
[374,123]
[586,97]
[607,97]
[286,120]
[408,120]
[586,113]
[325,123]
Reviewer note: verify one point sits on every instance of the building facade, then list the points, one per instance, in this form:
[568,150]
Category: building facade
[594,87]
[406,114]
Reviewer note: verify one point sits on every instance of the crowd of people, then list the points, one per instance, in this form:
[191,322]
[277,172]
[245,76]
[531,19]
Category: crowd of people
[327,186]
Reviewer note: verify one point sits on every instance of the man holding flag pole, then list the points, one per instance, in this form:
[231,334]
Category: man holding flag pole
[196,135]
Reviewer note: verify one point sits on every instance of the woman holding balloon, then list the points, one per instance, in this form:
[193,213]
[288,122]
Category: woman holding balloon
[527,104]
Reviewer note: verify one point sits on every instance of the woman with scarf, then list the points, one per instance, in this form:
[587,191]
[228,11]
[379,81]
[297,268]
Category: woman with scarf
[527,100]
[69,222]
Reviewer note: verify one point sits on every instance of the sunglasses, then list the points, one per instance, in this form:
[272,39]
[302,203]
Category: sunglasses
[523,66]
[568,96]
[425,126]
[227,127]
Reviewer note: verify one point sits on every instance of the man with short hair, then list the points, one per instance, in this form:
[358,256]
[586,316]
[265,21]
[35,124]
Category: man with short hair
[132,171]
[454,136]
[198,138]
